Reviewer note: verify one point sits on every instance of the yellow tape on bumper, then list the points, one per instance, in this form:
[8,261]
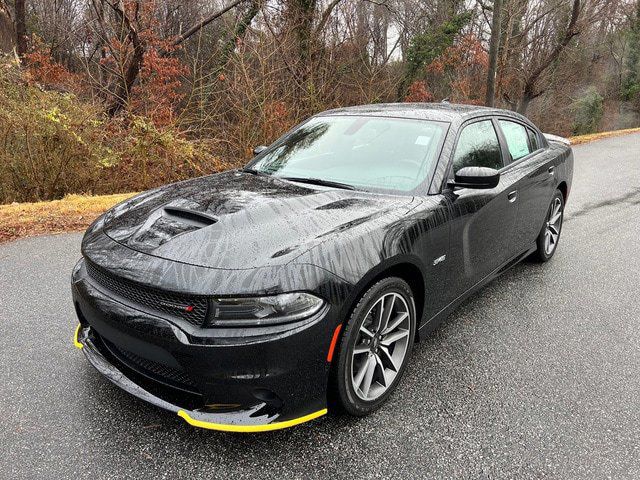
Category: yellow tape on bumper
[75,338]
[250,428]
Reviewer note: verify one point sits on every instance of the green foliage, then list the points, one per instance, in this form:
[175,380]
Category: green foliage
[426,47]
[587,111]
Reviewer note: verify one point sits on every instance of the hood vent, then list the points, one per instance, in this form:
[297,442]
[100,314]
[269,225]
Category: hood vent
[190,217]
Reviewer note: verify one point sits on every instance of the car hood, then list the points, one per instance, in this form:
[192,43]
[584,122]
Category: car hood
[236,220]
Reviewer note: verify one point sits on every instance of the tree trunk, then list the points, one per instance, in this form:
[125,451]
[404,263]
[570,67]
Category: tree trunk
[7,40]
[101,41]
[380,33]
[123,89]
[494,47]
[241,27]
[523,104]
[303,13]
[300,16]
[21,28]
[132,70]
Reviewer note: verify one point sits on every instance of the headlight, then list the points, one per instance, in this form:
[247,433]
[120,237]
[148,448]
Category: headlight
[284,308]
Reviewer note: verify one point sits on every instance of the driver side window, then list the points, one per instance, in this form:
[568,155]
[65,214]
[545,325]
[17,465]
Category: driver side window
[478,146]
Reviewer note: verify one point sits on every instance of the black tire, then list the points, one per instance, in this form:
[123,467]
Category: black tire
[543,254]
[342,390]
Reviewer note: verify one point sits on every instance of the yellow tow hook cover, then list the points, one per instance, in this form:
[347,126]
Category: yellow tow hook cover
[77,344]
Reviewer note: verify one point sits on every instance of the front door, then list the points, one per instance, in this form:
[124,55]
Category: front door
[482,221]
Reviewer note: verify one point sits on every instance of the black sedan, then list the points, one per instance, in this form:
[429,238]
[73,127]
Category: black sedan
[257,299]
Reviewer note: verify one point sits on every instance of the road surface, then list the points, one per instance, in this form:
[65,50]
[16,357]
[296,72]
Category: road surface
[537,375]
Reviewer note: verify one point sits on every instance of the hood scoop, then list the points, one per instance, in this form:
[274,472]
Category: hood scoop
[166,224]
[189,217]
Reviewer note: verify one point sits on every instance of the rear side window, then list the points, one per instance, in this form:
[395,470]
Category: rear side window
[517,138]
[478,146]
[533,140]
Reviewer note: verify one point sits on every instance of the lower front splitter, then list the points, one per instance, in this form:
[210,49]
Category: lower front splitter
[239,421]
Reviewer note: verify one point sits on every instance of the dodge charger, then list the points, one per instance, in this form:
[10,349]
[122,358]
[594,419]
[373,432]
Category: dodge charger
[260,298]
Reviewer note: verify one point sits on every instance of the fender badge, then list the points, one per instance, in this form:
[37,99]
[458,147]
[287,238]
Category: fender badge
[439,259]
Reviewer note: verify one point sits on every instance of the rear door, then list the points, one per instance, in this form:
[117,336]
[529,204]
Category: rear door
[482,221]
[530,171]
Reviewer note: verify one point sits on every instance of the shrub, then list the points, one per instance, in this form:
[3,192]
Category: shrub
[587,111]
[53,144]
[50,143]
[145,156]
[418,92]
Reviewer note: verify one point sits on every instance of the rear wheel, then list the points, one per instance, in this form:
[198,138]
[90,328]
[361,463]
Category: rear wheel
[549,237]
[375,346]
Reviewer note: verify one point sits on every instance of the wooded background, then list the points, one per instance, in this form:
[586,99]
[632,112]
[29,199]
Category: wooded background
[103,96]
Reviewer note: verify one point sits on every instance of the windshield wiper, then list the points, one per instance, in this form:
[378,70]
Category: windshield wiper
[319,181]
[253,171]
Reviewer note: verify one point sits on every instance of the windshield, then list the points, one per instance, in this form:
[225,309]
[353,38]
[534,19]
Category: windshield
[363,152]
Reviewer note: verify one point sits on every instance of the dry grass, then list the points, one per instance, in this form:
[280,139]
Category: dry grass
[72,213]
[580,139]
[76,212]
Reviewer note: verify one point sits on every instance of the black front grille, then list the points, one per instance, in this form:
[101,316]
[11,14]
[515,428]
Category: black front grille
[154,370]
[191,308]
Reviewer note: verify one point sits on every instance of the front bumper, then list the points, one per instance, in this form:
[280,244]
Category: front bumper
[240,421]
[241,381]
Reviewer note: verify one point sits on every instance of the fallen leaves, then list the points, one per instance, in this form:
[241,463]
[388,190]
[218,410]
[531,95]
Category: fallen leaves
[72,213]
[592,137]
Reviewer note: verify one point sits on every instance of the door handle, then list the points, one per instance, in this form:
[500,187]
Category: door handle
[551,170]
[513,196]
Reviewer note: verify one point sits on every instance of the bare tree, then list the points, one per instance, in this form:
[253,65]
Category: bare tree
[206,21]
[545,35]
[133,63]
[329,52]
[494,46]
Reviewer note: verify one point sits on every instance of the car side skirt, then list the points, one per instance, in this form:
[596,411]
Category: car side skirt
[433,323]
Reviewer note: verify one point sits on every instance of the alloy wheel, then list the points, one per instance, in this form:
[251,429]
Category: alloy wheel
[381,346]
[552,227]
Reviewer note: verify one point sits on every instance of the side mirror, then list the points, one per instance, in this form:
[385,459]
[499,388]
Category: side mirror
[259,149]
[476,177]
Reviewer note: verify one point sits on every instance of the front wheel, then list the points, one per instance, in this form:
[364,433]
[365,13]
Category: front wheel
[549,236]
[375,346]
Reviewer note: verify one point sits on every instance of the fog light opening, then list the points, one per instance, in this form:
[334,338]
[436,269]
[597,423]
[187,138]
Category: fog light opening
[268,397]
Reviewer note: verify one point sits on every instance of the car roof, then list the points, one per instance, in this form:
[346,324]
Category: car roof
[443,112]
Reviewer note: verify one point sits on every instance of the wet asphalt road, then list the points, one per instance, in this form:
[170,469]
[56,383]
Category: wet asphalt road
[537,375]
